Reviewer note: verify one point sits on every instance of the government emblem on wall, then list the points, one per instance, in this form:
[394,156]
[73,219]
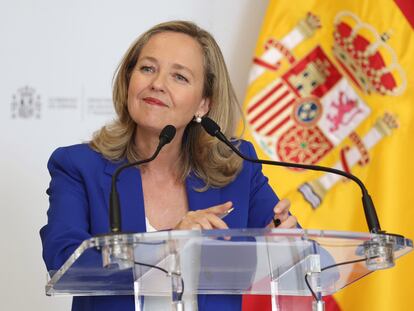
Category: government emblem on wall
[26,104]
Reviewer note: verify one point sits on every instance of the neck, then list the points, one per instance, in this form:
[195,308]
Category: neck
[166,162]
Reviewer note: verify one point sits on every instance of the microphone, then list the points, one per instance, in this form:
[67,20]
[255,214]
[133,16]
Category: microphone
[371,217]
[166,136]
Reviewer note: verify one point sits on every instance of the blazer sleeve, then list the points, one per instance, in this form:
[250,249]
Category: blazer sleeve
[262,197]
[68,221]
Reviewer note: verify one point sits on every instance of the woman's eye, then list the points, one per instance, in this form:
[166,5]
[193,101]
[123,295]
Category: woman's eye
[146,69]
[180,77]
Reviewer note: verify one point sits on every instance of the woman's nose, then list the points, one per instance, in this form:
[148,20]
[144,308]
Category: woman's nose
[158,83]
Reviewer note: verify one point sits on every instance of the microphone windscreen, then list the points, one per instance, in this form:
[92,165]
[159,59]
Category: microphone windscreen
[167,134]
[210,126]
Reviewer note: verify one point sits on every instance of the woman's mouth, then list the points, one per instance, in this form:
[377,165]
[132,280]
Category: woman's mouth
[154,101]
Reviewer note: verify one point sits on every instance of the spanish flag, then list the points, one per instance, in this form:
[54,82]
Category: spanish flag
[332,83]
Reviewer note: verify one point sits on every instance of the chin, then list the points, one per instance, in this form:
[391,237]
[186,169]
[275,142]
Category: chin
[152,127]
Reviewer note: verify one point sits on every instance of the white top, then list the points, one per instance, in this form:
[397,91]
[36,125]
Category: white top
[150,228]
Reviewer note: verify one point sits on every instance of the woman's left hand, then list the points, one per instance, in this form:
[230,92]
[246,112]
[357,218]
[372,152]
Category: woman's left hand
[282,213]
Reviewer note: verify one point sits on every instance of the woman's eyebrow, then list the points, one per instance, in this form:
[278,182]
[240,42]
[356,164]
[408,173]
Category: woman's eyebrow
[182,67]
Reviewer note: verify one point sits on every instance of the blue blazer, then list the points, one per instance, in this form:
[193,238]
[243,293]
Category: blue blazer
[79,204]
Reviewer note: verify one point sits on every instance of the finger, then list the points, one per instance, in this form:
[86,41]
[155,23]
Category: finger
[282,206]
[282,216]
[205,219]
[204,222]
[219,209]
[216,222]
[289,223]
[281,210]
[195,226]
[188,222]
[274,223]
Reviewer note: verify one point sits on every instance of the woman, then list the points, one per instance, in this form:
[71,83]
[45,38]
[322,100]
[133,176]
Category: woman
[172,74]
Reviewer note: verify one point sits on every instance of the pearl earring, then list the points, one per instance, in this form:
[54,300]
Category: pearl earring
[197,119]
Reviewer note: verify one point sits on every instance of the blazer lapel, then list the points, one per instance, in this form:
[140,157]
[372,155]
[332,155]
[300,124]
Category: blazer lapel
[131,198]
[201,200]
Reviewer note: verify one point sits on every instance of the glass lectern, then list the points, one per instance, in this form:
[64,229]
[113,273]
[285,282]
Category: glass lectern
[182,264]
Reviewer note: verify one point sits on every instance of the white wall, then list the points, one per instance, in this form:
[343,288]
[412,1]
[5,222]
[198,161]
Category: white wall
[66,52]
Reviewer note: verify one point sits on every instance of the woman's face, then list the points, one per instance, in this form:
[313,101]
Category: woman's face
[166,84]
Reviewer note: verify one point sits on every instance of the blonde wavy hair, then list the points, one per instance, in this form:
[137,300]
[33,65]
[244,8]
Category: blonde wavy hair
[205,156]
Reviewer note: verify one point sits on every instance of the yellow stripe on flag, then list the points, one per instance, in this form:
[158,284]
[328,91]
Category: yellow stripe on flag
[332,83]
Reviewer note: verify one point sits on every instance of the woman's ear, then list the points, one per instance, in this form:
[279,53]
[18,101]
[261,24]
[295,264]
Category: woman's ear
[204,107]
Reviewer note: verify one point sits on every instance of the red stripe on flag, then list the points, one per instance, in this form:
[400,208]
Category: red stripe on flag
[249,110]
[344,162]
[269,107]
[407,8]
[260,62]
[278,126]
[286,303]
[276,114]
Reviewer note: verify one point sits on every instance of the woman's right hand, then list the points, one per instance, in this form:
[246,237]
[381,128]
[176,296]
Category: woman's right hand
[205,219]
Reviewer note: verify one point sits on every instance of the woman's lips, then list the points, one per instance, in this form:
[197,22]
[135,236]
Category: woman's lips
[154,101]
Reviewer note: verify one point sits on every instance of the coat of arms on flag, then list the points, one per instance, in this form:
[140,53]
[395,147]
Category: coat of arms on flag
[308,110]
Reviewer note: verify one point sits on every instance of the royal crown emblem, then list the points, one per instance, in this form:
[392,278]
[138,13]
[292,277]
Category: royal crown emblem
[366,57]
